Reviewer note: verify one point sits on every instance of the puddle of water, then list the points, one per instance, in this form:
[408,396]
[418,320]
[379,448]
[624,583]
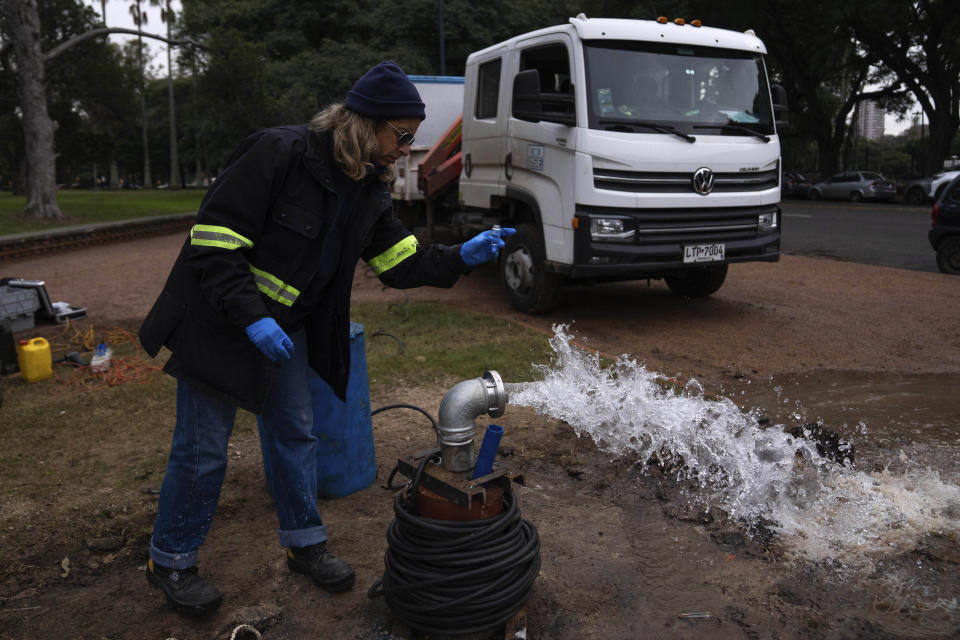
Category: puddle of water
[823,511]
[897,407]
[897,422]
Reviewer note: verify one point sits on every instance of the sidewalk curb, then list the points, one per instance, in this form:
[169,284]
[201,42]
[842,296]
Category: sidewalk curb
[21,245]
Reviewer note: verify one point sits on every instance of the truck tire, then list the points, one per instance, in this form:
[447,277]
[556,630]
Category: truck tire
[698,282]
[529,288]
[948,255]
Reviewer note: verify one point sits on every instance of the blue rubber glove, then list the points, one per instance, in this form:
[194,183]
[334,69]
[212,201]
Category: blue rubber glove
[484,246]
[267,335]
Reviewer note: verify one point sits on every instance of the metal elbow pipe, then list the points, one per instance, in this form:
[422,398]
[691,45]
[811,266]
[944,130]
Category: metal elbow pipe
[458,410]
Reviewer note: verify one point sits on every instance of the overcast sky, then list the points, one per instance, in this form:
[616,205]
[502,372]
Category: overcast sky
[118,15]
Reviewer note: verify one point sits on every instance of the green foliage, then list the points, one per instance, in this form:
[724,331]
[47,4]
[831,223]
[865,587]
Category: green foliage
[917,46]
[90,95]
[269,62]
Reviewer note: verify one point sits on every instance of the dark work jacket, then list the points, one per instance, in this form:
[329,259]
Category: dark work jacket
[277,196]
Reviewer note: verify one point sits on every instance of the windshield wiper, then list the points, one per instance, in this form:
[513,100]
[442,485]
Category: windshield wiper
[656,126]
[733,127]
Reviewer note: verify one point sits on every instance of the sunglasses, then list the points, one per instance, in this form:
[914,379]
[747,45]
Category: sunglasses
[404,138]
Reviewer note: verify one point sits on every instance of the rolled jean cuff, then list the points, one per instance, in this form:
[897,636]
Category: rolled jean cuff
[303,537]
[176,561]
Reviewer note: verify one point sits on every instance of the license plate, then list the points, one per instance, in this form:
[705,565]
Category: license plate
[704,252]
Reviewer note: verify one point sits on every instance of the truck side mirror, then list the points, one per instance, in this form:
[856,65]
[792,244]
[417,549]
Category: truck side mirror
[781,113]
[531,105]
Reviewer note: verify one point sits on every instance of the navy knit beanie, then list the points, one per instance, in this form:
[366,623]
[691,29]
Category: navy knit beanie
[385,93]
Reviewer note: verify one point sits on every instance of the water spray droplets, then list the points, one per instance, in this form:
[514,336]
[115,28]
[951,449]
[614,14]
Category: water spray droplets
[755,474]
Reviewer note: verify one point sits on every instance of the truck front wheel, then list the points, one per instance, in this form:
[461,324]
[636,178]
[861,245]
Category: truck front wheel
[697,282]
[529,288]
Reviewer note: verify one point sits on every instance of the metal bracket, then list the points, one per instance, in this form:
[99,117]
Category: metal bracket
[458,488]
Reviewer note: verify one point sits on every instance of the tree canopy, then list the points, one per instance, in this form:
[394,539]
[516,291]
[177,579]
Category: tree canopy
[267,62]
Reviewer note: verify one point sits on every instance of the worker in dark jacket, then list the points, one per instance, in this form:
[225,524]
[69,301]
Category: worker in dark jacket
[260,294]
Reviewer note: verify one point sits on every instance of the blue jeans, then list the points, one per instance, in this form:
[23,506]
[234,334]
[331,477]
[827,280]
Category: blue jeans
[198,463]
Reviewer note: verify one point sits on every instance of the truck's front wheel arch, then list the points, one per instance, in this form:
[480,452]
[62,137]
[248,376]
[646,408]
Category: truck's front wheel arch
[697,282]
[528,286]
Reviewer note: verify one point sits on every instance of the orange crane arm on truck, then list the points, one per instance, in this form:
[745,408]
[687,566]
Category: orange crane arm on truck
[441,166]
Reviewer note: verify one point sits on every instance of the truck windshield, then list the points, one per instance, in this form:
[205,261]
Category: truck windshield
[689,89]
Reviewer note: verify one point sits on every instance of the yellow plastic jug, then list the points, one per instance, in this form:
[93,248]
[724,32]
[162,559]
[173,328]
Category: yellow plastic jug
[36,364]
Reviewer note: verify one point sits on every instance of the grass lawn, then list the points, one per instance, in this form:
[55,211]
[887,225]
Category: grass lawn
[106,426]
[81,206]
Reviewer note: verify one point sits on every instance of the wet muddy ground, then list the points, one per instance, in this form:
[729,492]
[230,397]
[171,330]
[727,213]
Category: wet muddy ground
[873,352]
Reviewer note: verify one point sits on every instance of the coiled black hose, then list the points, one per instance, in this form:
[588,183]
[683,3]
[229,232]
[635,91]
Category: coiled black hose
[451,577]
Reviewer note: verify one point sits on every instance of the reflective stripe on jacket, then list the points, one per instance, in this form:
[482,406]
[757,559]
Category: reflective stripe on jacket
[268,242]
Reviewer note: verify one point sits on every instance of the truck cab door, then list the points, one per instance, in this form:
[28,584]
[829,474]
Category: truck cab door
[485,110]
[539,158]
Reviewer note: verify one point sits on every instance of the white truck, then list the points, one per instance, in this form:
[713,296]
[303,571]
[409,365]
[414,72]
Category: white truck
[618,149]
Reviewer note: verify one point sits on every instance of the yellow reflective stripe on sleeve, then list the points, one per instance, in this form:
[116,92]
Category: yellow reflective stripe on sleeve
[275,288]
[206,235]
[394,255]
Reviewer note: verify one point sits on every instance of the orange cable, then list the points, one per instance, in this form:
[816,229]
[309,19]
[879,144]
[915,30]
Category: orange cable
[131,369]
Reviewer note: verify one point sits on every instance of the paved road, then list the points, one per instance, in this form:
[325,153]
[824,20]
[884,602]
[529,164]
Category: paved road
[888,234]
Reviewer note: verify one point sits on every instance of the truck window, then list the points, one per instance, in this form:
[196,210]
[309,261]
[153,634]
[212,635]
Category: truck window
[488,89]
[692,88]
[553,63]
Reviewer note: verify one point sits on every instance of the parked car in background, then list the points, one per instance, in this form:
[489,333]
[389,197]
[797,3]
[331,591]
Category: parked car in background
[926,189]
[945,227]
[794,185]
[854,186]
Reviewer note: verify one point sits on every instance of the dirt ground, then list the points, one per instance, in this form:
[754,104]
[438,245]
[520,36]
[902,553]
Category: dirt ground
[623,556]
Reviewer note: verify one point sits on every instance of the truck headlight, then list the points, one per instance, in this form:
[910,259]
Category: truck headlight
[610,230]
[767,221]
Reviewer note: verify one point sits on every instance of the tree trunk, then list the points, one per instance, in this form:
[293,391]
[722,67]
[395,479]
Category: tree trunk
[24,24]
[942,130]
[828,155]
[147,178]
[198,176]
[175,182]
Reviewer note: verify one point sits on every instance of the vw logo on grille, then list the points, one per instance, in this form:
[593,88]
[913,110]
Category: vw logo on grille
[703,181]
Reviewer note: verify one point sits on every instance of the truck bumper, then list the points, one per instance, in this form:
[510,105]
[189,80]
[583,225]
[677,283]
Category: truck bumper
[656,247]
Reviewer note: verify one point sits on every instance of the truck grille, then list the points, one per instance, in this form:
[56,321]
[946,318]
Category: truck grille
[681,182]
[681,226]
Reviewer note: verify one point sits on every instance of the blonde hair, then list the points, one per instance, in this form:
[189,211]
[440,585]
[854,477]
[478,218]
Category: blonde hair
[354,140]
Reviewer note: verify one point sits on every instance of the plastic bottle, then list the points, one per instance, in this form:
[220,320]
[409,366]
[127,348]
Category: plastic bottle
[101,357]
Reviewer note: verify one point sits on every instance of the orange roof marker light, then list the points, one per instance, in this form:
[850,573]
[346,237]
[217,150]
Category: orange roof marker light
[696,23]
[575,223]
[662,20]
[678,21]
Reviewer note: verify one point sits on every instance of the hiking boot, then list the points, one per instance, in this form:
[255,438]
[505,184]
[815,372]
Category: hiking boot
[184,589]
[327,570]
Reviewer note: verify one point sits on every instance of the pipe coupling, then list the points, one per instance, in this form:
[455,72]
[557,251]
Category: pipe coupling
[459,409]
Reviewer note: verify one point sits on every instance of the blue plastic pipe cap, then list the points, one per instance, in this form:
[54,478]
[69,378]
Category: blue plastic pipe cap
[488,450]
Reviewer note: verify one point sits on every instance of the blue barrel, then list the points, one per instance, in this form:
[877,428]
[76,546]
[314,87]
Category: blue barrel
[345,456]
